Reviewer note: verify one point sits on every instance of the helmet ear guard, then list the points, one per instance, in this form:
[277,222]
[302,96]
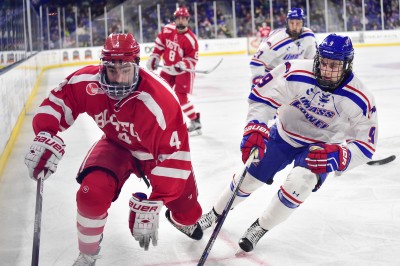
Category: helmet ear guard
[334,47]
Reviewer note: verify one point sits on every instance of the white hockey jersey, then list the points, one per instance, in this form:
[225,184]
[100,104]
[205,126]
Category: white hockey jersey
[279,47]
[307,114]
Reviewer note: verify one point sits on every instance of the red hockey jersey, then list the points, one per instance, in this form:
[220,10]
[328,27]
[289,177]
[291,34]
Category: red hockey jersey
[149,123]
[175,47]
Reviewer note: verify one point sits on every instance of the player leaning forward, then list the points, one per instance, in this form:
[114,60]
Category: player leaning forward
[326,122]
[144,133]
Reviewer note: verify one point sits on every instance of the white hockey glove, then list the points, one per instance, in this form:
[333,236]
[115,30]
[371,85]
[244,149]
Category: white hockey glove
[44,154]
[152,63]
[143,219]
[180,66]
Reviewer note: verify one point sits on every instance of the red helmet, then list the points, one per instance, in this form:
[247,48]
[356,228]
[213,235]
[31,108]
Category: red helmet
[119,67]
[121,47]
[181,12]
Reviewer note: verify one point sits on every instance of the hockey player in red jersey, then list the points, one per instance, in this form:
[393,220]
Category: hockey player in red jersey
[178,47]
[263,31]
[144,133]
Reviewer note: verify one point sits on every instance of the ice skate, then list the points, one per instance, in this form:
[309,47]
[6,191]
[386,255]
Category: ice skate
[195,126]
[192,231]
[209,219]
[86,259]
[250,239]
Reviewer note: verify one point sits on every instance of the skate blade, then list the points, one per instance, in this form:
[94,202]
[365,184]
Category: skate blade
[241,253]
[195,133]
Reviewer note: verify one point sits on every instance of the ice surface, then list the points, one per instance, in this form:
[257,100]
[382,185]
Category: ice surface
[354,219]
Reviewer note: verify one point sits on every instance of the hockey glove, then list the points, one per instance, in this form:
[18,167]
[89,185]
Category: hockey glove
[256,135]
[143,219]
[180,66]
[153,62]
[325,158]
[44,155]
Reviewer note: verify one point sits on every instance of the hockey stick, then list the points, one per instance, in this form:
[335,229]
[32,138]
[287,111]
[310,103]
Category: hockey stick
[224,213]
[382,161]
[195,70]
[38,219]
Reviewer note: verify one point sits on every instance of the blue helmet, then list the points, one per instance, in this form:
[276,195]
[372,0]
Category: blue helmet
[295,13]
[334,47]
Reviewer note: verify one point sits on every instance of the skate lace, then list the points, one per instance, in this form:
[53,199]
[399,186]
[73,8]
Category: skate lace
[254,233]
[188,230]
[85,260]
[207,220]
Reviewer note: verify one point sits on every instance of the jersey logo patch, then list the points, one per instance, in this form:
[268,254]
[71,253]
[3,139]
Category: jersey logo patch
[93,89]
[288,65]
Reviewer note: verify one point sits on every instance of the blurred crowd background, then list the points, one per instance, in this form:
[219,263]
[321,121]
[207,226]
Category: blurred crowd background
[36,25]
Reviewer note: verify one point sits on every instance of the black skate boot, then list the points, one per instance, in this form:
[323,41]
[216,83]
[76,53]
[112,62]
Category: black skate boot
[192,231]
[195,126]
[209,219]
[251,237]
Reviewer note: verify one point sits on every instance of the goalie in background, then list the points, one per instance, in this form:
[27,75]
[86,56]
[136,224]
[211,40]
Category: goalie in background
[144,134]
[293,42]
[318,102]
[178,47]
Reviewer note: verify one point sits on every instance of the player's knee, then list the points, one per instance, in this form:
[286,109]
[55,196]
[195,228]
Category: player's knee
[297,187]
[249,184]
[96,193]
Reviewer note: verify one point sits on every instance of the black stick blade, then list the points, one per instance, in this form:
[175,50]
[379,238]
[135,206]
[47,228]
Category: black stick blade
[382,161]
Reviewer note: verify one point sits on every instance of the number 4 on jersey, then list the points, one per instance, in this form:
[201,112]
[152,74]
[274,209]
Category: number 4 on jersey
[174,141]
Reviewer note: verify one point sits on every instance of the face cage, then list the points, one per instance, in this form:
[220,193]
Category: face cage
[118,92]
[330,85]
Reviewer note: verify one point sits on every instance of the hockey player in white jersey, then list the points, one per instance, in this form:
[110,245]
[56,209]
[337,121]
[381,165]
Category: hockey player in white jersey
[327,122]
[293,42]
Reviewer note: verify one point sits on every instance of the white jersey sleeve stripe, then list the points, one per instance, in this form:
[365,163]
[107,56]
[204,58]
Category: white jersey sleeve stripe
[154,108]
[67,111]
[191,40]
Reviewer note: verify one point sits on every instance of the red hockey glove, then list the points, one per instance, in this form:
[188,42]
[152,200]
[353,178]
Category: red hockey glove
[325,158]
[143,219]
[153,62]
[44,155]
[256,135]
